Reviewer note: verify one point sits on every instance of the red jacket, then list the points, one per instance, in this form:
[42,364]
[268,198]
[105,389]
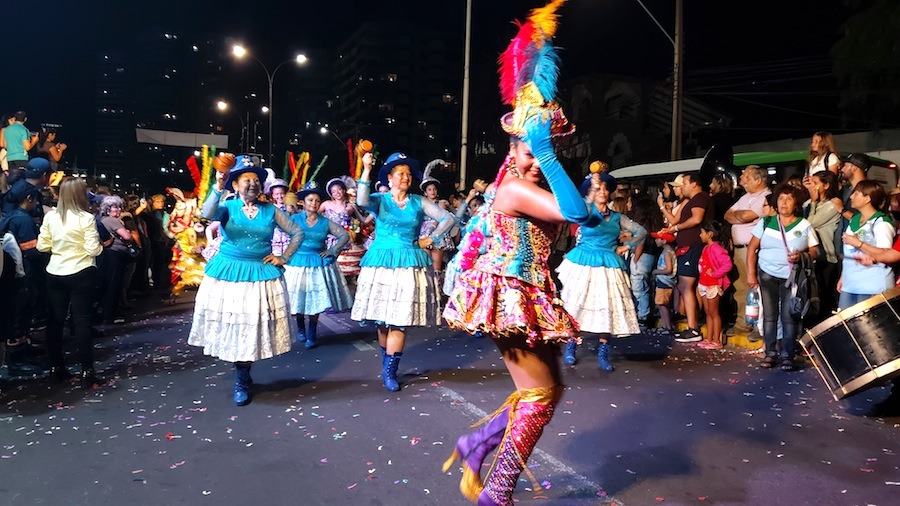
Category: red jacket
[720,265]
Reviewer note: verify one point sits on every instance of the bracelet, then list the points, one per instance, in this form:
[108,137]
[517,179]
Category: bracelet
[860,244]
[360,181]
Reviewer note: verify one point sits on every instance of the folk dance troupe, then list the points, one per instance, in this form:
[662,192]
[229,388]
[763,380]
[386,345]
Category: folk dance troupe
[254,302]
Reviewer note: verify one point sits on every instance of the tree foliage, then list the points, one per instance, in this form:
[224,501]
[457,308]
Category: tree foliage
[867,61]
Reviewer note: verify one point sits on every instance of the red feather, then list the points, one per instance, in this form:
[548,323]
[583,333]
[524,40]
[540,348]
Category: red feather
[195,172]
[514,62]
[350,158]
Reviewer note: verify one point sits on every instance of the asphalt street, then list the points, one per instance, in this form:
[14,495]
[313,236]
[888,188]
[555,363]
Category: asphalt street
[673,424]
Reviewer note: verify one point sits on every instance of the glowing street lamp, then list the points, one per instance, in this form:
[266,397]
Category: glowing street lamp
[239,52]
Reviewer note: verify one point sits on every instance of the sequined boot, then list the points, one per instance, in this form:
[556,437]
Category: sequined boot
[473,448]
[532,412]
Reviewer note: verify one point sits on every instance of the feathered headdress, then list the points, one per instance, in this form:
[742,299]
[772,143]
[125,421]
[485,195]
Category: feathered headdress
[427,178]
[529,71]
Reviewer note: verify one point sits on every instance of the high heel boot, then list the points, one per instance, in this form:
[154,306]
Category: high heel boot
[532,412]
[242,383]
[473,448]
[603,357]
[389,372]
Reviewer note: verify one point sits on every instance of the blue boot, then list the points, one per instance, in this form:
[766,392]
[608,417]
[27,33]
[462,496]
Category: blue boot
[242,383]
[569,356]
[301,328]
[383,356]
[603,357]
[311,331]
[389,372]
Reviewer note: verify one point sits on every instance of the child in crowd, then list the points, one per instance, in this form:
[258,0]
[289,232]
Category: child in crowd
[715,264]
[665,280]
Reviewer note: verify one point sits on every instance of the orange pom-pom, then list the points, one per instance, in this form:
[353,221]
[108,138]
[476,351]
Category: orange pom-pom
[365,146]
[223,162]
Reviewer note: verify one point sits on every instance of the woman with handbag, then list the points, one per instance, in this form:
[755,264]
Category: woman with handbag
[823,210]
[776,244]
[116,258]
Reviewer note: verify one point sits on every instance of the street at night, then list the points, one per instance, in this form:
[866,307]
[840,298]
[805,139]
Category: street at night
[671,425]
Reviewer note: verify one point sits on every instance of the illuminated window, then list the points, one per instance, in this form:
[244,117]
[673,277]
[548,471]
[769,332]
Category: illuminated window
[392,78]
[447,98]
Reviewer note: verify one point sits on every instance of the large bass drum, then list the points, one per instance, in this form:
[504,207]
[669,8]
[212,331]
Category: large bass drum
[859,347]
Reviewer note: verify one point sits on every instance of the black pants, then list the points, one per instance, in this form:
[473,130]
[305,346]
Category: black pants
[75,290]
[114,265]
[161,255]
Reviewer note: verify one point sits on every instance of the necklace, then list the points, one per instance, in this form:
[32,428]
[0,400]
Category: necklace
[400,203]
[250,210]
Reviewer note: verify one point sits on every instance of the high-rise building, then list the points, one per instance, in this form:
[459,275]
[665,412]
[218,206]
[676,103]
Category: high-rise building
[401,87]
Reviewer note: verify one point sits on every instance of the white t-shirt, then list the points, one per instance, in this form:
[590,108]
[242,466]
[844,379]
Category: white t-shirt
[820,163]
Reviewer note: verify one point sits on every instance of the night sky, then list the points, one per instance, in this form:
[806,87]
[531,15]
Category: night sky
[51,75]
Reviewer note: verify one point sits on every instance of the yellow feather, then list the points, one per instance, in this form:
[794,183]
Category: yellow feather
[545,20]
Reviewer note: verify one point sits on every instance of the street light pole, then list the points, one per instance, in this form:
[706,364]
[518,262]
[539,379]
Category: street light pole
[677,79]
[223,106]
[324,130]
[240,52]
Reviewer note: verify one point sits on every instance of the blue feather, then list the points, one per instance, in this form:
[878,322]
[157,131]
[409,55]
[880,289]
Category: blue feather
[546,71]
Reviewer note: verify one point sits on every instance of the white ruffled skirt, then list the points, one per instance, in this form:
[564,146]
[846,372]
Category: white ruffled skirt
[599,298]
[242,321]
[401,297]
[312,290]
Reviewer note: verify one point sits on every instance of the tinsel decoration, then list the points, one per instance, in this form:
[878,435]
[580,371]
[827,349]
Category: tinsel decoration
[312,177]
[302,168]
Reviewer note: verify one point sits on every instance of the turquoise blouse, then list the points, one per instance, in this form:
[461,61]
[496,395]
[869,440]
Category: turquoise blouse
[314,238]
[596,245]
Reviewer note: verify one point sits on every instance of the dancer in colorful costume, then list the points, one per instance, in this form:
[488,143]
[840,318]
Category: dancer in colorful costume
[340,210]
[187,263]
[240,312]
[596,288]
[508,293]
[313,280]
[396,287]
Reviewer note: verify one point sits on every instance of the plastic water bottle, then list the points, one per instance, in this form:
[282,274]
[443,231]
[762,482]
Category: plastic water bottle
[751,309]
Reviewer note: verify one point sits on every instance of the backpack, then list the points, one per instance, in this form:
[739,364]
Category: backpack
[804,299]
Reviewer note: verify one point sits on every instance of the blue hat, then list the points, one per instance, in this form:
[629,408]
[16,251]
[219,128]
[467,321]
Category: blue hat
[37,167]
[245,163]
[610,181]
[394,160]
[309,188]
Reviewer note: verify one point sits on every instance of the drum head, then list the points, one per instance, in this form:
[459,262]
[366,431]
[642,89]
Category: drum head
[859,347]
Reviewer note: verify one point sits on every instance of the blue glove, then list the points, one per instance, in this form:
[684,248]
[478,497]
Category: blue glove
[571,204]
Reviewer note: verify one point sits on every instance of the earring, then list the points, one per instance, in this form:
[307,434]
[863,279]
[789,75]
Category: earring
[512,168]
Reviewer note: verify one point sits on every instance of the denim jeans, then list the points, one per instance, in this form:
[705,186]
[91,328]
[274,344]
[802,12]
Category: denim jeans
[775,310]
[640,283]
[848,299]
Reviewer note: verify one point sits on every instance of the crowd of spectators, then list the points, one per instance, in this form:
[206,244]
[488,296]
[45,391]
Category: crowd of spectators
[133,260]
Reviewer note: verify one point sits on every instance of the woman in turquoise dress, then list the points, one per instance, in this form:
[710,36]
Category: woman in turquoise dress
[313,279]
[596,289]
[396,287]
[241,308]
